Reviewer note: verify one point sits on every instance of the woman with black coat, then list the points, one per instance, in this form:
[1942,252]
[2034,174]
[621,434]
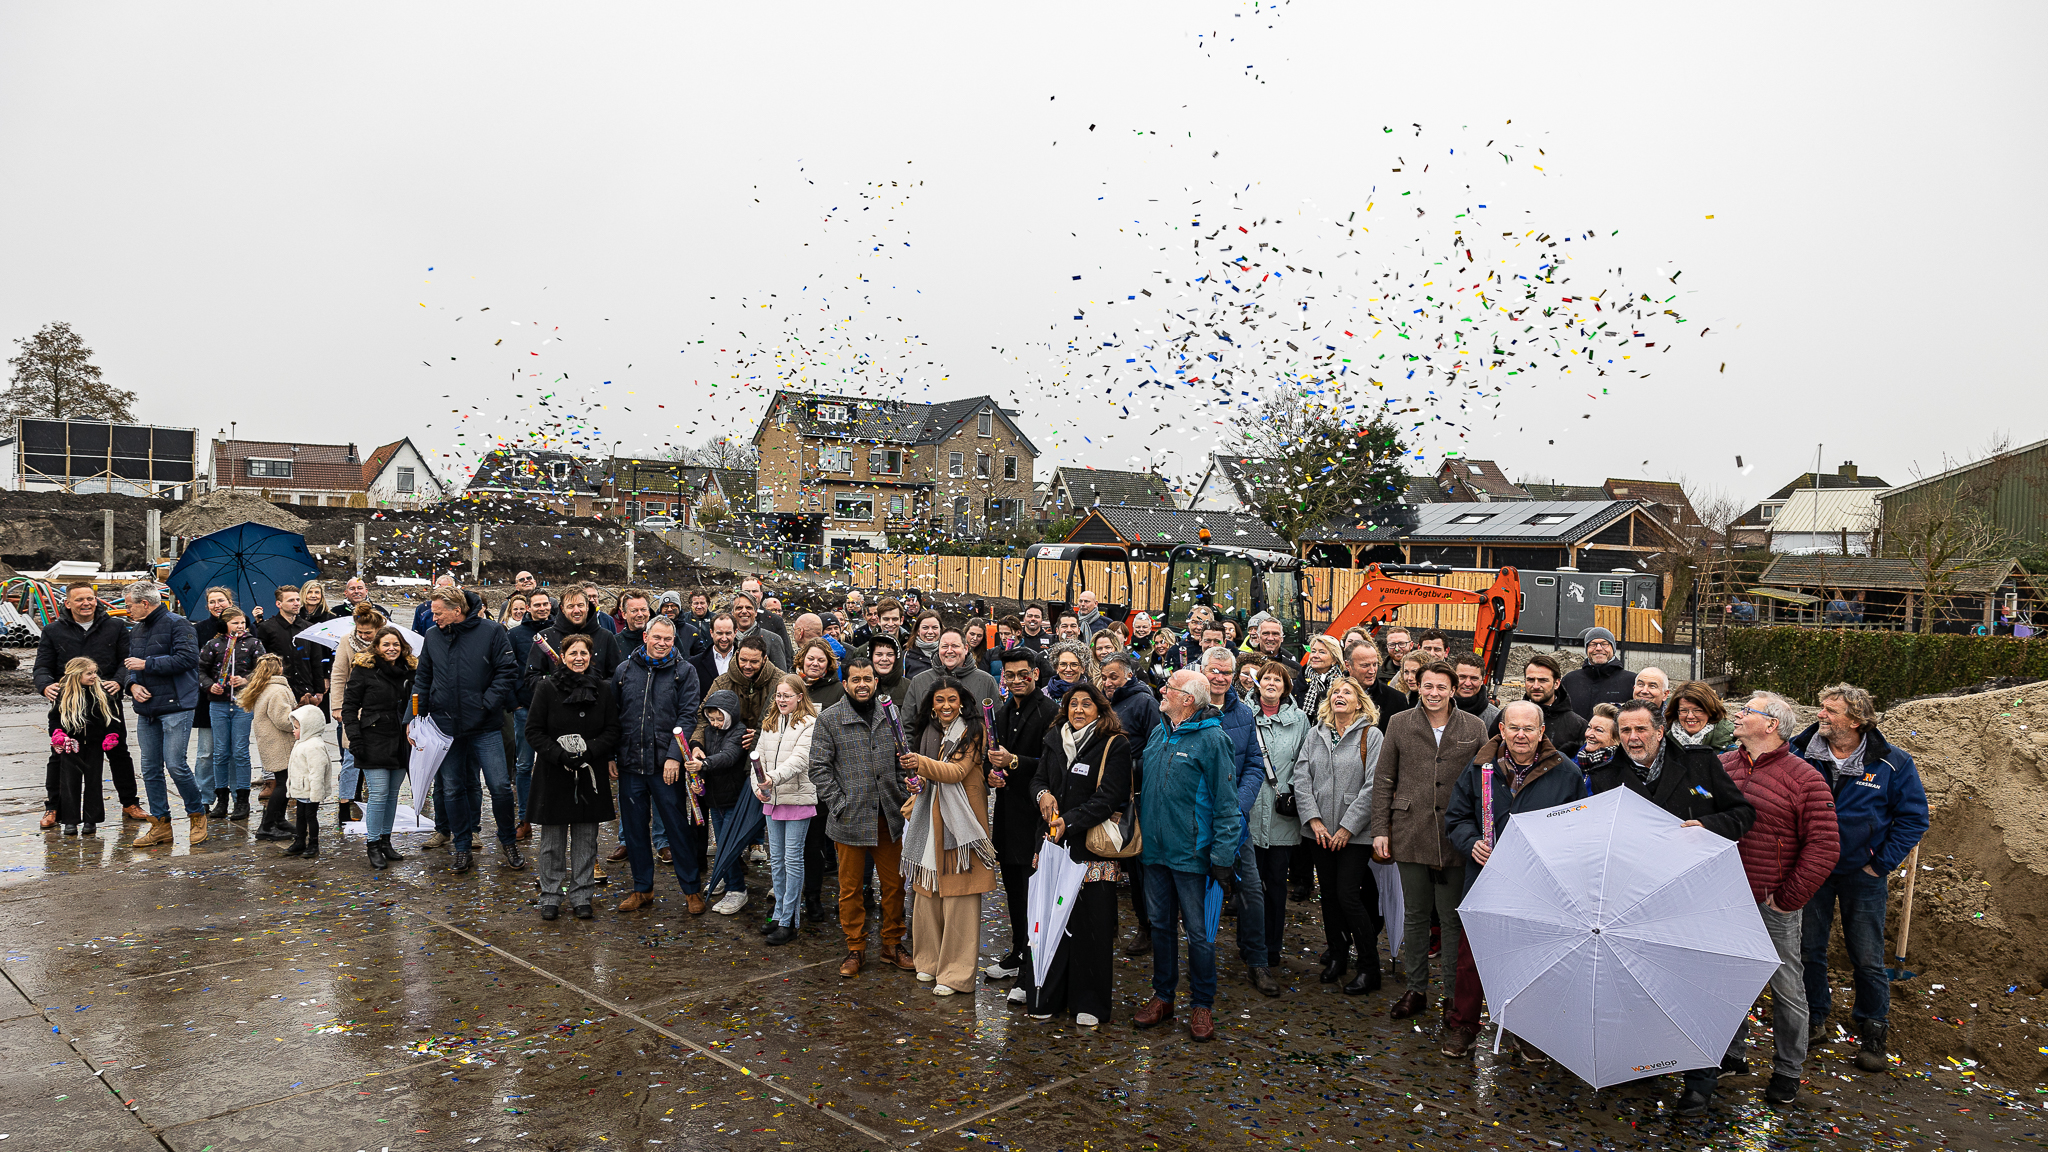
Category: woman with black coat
[1084,779]
[375,709]
[573,726]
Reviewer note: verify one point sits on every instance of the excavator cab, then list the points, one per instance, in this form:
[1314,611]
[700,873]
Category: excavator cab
[1239,583]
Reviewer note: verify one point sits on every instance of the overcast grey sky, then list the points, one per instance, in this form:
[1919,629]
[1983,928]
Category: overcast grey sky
[238,207]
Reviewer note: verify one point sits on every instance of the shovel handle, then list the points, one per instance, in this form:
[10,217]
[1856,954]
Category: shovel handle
[1906,916]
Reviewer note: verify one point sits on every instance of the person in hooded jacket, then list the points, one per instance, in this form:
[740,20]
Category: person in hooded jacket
[1687,782]
[1014,749]
[376,706]
[1083,780]
[1601,679]
[573,722]
[719,759]
[887,657]
[1524,773]
[573,617]
[1276,835]
[313,778]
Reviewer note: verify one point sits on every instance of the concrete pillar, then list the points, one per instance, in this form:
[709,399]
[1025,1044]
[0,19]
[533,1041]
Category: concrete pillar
[476,552]
[630,570]
[107,545]
[152,538]
[361,532]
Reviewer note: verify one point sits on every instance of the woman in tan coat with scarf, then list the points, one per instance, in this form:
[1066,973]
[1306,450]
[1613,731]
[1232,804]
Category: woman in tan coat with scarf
[947,853]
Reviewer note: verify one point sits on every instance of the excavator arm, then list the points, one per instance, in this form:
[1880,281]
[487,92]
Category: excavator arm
[1381,596]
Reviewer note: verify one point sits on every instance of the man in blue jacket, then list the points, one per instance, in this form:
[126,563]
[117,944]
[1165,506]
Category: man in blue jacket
[1192,826]
[1248,761]
[1882,811]
[162,670]
[466,682]
[658,693]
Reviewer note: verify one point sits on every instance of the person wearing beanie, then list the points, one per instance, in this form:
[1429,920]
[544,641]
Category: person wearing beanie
[1602,680]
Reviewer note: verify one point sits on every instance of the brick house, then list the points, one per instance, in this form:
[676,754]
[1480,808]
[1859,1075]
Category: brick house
[844,471]
[552,479]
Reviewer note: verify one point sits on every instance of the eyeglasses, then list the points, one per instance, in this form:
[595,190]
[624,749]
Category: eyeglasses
[1748,711]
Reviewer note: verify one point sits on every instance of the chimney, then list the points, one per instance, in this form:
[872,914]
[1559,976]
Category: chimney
[1848,470]
[352,455]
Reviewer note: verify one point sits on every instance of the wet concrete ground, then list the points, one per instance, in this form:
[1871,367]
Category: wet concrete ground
[227,997]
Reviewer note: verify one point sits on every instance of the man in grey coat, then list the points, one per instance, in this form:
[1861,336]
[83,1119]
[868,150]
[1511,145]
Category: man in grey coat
[861,790]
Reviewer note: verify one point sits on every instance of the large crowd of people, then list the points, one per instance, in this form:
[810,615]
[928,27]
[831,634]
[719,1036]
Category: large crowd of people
[921,765]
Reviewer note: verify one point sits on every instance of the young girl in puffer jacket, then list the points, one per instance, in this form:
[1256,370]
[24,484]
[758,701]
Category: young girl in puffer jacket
[312,779]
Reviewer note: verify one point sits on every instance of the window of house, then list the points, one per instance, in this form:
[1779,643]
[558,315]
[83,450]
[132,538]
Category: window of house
[853,507]
[1548,518]
[1009,467]
[985,423]
[405,481]
[655,506]
[765,500]
[561,470]
[962,523]
[885,462]
[1770,511]
[983,462]
[895,507]
[956,464]
[835,459]
[832,413]
[1003,512]
[270,469]
[1472,518]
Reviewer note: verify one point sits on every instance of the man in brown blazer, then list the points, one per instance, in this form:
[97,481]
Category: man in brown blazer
[1427,748]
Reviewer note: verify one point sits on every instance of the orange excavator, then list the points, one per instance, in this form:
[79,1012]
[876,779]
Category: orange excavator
[1381,596]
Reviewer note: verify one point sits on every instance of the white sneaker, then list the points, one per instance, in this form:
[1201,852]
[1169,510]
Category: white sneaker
[1017,996]
[733,902]
[1001,969]
[941,990]
[1041,1016]
[718,889]
[1085,1020]
[925,977]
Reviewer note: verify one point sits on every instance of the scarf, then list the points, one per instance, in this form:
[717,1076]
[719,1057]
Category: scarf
[1679,734]
[1073,741]
[1516,774]
[930,650]
[1057,688]
[965,838]
[668,661]
[1474,704]
[1316,684]
[1648,773]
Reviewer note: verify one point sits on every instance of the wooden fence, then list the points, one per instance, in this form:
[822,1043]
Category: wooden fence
[1329,589]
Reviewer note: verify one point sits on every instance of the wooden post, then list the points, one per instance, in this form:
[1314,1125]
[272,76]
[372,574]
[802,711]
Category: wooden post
[152,538]
[476,551]
[361,531]
[107,550]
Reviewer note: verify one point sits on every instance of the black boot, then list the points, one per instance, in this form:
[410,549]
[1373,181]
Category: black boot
[389,853]
[299,830]
[309,818]
[1367,979]
[241,809]
[220,804]
[1871,1058]
[377,860]
[1338,959]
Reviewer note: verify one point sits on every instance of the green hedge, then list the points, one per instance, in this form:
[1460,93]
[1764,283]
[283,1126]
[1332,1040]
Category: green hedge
[1891,666]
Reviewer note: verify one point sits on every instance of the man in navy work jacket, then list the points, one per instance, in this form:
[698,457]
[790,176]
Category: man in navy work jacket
[1882,812]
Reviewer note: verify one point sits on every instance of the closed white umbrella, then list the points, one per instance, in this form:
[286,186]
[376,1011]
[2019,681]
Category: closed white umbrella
[331,632]
[1050,901]
[429,747]
[1617,941]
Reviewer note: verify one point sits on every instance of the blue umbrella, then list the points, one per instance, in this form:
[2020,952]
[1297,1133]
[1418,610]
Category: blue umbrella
[741,825]
[1212,907]
[252,560]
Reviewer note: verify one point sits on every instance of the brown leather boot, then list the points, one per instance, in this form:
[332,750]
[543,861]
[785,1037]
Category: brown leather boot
[1201,1025]
[617,854]
[524,832]
[1155,1012]
[695,901]
[198,829]
[899,956]
[636,901]
[1410,1004]
[852,964]
[158,832]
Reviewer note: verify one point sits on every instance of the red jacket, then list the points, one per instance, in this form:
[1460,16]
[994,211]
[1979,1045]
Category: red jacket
[1791,849]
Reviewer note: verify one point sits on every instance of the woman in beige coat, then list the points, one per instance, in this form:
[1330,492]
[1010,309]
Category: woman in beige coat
[268,698]
[948,877]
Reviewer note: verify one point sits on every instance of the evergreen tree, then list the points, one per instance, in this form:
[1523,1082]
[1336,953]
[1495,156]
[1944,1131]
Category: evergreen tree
[54,377]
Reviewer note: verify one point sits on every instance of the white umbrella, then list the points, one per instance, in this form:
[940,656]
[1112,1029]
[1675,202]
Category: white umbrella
[330,633]
[1617,941]
[1050,900]
[430,747]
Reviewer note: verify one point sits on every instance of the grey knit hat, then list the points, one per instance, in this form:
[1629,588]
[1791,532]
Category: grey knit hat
[1593,634]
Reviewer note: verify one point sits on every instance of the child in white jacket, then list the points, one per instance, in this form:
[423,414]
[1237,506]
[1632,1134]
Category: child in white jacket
[311,780]
[780,772]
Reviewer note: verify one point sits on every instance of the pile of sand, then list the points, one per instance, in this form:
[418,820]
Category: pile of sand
[224,508]
[1979,940]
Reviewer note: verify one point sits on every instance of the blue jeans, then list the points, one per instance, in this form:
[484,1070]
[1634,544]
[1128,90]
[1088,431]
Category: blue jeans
[1862,897]
[1177,897]
[522,774]
[351,776]
[638,793]
[480,752]
[164,739]
[1251,917]
[382,804]
[786,863]
[230,767]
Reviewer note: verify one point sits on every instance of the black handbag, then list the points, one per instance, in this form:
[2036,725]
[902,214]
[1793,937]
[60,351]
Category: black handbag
[1283,802]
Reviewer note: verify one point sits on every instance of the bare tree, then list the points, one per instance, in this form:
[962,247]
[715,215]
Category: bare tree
[1318,465]
[725,452]
[1947,528]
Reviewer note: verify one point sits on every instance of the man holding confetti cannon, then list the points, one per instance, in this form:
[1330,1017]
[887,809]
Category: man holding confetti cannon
[658,697]
[861,788]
